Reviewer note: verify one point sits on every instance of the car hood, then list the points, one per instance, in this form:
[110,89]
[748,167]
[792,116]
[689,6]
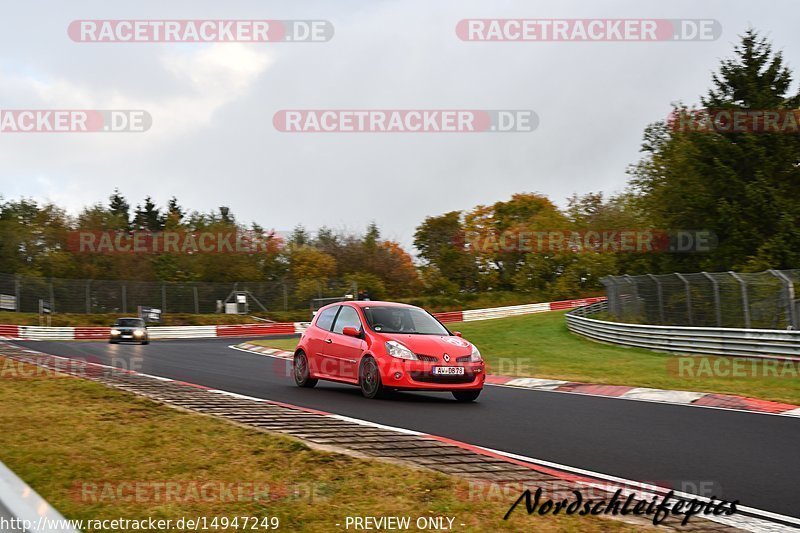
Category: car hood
[435,345]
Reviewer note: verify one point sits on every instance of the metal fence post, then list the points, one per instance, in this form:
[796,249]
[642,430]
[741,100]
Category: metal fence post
[660,298]
[611,294]
[163,297]
[88,296]
[196,300]
[717,305]
[52,295]
[18,292]
[745,300]
[788,286]
[688,298]
[124,296]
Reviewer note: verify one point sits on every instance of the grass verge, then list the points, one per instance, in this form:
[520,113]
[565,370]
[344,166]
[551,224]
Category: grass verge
[60,433]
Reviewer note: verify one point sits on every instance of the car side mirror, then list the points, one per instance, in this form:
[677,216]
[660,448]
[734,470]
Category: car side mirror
[457,333]
[350,331]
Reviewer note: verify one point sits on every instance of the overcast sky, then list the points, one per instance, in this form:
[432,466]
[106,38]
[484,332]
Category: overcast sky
[213,143]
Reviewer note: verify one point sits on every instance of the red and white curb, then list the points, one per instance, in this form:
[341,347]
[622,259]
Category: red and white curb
[678,397]
[642,394]
[754,520]
[263,350]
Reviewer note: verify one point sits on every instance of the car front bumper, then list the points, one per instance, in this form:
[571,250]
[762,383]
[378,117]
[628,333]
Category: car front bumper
[417,375]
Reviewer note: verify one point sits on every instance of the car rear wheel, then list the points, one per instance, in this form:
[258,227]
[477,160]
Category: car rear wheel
[302,376]
[369,378]
[466,395]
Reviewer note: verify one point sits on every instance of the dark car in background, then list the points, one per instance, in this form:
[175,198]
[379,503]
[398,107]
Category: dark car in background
[129,330]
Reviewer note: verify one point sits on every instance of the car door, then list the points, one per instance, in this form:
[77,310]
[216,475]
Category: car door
[346,351]
[318,340]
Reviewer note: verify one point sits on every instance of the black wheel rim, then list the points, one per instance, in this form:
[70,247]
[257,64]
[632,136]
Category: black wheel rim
[370,378]
[300,369]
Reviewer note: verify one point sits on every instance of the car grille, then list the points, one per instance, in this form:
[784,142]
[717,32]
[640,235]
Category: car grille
[427,377]
[428,358]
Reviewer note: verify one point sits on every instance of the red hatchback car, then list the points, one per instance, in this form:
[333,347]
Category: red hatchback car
[383,346]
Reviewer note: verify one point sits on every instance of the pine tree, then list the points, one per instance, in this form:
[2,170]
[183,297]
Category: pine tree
[148,217]
[119,209]
[743,186]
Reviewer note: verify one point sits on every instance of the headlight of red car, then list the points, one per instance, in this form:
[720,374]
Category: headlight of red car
[475,357]
[395,349]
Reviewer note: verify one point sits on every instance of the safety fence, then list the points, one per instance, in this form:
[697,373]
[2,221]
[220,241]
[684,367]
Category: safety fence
[24,293]
[273,328]
[755,343]
[765,300]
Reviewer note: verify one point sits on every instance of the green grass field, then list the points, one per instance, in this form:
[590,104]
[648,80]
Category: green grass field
[541,346]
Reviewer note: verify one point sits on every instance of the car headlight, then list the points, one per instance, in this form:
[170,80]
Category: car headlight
[395,349]
[115,332]
[475,357]
[138,332]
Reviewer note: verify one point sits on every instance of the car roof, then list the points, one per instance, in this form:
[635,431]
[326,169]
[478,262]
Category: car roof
[370,303]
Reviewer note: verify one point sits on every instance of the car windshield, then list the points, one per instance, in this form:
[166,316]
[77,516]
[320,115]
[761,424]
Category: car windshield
[130,322]
[403,320]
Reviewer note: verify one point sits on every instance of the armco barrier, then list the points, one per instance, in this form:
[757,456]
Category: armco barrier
[20,504]
[452,316]
[182,332]
[272,328]
[758,343]
[9,331]
[242,330]
[45,333]
[88,333]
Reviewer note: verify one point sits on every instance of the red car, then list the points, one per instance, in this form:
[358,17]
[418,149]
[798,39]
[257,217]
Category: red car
[383,346]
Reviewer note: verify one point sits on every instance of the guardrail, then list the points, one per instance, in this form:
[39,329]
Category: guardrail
[757,343]
[470,315]
[26,508]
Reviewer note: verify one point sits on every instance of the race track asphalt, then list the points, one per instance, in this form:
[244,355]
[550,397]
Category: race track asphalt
[739,455]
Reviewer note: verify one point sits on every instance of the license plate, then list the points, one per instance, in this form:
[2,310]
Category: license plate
[448,370]
[127,336]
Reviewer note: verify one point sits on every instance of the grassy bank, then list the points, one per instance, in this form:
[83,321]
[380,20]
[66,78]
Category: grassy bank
[58,433]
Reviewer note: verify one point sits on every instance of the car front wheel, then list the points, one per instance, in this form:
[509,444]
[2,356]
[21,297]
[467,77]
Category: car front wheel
[369,378]
[302,375]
